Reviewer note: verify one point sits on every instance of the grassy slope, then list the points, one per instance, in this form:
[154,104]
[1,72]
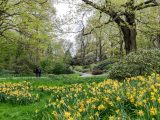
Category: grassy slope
[25,112]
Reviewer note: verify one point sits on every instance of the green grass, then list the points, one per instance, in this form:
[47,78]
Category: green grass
[21,112]
[26,112]
[54,80]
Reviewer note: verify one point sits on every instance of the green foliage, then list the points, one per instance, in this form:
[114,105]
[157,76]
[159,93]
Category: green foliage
[143,62]
[106,64]
[25,36]
[123,70]
[61,68]
[56,66]
[78,68]
[83,69]
[5,72]
[23,66]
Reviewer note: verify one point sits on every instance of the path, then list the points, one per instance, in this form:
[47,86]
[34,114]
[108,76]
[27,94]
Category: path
[87,74]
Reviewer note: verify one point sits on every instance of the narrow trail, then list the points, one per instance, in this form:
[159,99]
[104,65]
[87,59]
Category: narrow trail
[87,74]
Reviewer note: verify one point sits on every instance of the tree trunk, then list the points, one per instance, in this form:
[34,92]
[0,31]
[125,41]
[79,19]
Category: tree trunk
[129,33]
[121,45]
[158,40]
[158,35]
[129,36]
[100,49]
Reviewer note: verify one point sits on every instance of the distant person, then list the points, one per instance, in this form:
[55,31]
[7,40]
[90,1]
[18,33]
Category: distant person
[38,72]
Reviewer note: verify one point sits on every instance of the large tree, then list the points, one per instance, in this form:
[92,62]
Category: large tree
[124,16]
[25,32]
[15,13]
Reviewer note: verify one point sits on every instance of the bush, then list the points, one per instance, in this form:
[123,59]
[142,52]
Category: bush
[106,64]
[23,66]
[122,70]
[57,66]
[82,69]
[5,72]
[61,68]
[143,62]
[97,72]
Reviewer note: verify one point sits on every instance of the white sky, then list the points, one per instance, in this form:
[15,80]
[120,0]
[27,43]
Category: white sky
[62,10]
[66,11]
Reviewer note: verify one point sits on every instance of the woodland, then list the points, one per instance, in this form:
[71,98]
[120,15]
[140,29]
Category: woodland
[100,59]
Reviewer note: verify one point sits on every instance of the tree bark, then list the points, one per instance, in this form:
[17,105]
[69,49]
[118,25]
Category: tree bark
[129,33]
[129,36]
[121,45]
[100,45]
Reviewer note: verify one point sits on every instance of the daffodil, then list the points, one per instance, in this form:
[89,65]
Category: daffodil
[67,114]
[118,98]
[112,118]
[101,107]
[140,113]
[153,111]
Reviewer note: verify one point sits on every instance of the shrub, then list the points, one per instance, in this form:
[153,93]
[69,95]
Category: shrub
[82,69]
[143,62]
[78,68]
[5,72]
[97,72]
[122,70]
[61,68]
[23,66]
[104,65]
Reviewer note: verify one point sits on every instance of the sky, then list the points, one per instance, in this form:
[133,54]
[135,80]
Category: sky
[62,10]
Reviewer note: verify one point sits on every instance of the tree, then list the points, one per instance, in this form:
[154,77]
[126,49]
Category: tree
[13,12]
[25,32]
[124,16]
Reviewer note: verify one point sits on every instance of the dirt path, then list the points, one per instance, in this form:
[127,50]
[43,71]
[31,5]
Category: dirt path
[87,74]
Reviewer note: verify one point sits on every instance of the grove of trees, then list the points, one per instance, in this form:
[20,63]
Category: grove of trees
[27,37]
[31,33]
[115,26]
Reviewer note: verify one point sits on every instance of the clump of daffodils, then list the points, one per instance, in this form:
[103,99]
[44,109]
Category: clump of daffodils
[136,97]
[18,93]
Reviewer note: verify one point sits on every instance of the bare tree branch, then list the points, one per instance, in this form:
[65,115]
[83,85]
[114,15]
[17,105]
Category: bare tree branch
[101,8]
[99,26]
[146,4]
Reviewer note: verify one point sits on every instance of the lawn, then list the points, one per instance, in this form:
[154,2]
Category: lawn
[9,110]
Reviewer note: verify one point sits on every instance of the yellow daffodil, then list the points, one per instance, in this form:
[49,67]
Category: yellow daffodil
[153,111]
[140,113]
[67,114]
[101,107]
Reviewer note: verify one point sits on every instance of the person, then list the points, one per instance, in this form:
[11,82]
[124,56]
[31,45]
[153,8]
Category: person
[38,72]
